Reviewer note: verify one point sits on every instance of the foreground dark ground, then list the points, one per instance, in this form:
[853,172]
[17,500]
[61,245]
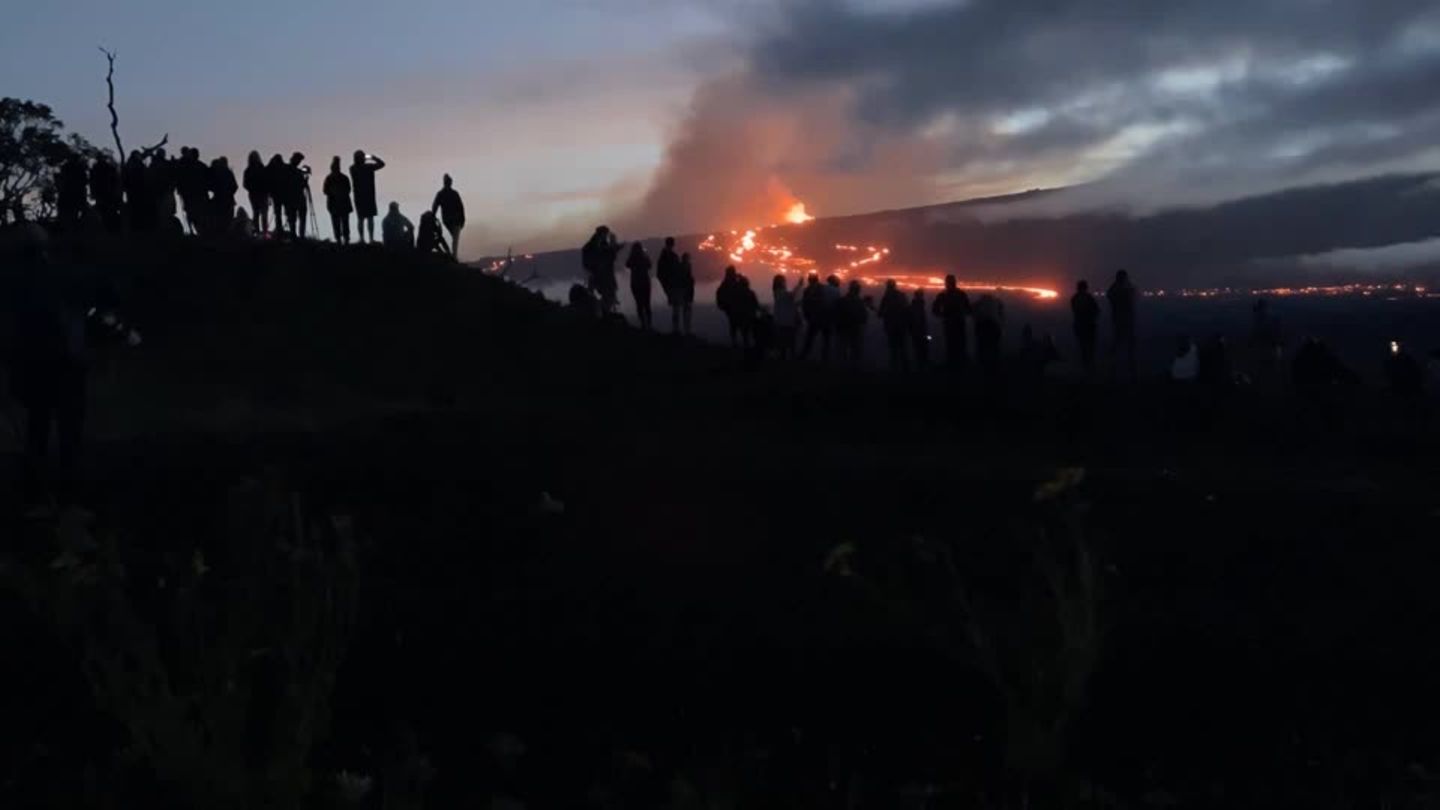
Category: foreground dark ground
[675,637]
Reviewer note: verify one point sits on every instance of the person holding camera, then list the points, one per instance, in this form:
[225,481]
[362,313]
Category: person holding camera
[362,181]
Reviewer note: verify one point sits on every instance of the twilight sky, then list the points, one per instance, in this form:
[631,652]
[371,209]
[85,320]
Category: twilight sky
[658,115]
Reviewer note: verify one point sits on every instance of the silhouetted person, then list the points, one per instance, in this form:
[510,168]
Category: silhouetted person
[337,201]
[597,257]
[813,306]
[297,194]
[727,300]
[70,197]
[638,263]
[920,328]
[686,292]
[786,317]
[105,190]
[850,318]
[1122,295]
[452,211]
[583,302]
[1214,365]
[362,179]
[192,180]
[747,311]
[161,179]
[428,237]
[1085,312]
[1036,354]
[257,185]
[47,360]
[989,313]
[1316,368]
[242,226]
[222,193]
[277,181]
[397,231]
[895,317]
[139,205]
[952,307]
[1404,373]
[667,272]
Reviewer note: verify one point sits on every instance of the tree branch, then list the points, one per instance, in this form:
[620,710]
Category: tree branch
[114,117]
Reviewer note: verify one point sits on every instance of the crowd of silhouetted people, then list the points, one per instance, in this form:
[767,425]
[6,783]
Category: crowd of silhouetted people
[153,192]
[828,318]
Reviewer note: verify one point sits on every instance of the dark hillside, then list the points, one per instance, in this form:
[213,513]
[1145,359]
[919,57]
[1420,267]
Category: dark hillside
[769,585]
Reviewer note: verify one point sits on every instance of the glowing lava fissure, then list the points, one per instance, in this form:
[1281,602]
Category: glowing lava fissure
[767,246]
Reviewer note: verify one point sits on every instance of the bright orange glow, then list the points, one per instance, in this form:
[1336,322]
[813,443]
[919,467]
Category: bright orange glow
[765,246]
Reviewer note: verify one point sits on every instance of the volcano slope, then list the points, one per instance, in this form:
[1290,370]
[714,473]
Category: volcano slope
[595,567]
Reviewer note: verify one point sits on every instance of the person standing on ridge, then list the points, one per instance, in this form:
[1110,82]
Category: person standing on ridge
[192,180]
[1122,295]
[685,292]
[952,307]
[638,263]
[222,194]
[989,312]
[895,316]
[920,328]
[257,186]
[850,317]
[160,176]
[139,205]
[297,180]
[105,190]
[337,201]
[1086,313]
[452,212]
[70,199]
[667,272]
[362,179]
[812,307]
[727,300]
[786,312]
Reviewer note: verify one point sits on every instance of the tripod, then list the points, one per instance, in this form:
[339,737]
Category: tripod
[310,207]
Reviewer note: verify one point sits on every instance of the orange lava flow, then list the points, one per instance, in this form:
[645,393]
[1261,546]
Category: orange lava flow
[766,246]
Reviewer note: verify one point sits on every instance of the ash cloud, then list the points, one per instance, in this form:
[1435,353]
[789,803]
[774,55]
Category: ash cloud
[1148,105]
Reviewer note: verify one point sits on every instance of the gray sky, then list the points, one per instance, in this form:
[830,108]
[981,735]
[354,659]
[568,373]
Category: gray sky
[655,115]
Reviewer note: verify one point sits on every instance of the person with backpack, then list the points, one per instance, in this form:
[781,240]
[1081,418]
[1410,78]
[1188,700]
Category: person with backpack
[952,307]
[895,316]
[337,201]
[638,264]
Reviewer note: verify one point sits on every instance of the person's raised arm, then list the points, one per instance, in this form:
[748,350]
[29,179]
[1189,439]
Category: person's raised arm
[377,163]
